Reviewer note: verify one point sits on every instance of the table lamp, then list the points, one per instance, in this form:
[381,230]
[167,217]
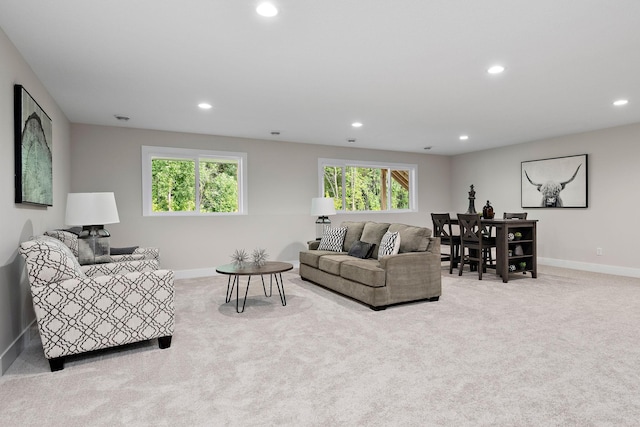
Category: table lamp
[322,207]
[92,211]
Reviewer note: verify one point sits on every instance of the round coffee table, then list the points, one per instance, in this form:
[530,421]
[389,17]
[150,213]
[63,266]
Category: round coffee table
[272,268]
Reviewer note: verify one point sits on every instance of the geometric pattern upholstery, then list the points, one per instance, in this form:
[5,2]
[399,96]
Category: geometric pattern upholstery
[332,239]
[124,267]
[390,244]
[76,312]
[138,254]
[71,241]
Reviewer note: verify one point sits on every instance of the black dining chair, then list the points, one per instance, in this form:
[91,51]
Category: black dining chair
[475,244]
[442,228]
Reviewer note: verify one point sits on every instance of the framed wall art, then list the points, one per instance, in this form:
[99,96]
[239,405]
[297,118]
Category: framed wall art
[33,151]
[559,182]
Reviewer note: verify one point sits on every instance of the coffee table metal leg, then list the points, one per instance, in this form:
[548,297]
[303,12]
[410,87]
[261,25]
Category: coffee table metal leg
[245,295]
[283,297]
[265,289]
[230,287]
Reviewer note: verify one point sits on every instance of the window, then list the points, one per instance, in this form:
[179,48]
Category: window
[179,181]
[368,186]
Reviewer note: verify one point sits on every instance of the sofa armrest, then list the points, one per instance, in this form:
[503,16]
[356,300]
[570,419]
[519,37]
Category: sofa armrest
[149,253]
[108,311]
[409,263]
[137,255]
[113,268]
[421,269]
[124,257]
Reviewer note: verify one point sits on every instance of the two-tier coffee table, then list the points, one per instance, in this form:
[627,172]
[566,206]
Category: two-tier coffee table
[272,268]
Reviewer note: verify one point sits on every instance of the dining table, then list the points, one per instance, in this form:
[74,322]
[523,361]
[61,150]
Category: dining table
[516,245]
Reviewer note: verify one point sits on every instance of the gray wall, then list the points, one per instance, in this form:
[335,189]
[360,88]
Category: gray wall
[19,222]
[567,237]
[282,180]
[280,222]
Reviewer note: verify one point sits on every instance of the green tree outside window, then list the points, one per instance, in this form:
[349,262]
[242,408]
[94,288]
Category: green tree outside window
[174,185]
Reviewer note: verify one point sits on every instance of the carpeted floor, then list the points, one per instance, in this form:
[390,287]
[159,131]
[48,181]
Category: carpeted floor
[559,350]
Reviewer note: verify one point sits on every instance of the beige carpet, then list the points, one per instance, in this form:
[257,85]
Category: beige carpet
[560,350]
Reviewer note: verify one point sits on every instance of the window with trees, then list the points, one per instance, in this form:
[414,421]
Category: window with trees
[179,181]
[368,186]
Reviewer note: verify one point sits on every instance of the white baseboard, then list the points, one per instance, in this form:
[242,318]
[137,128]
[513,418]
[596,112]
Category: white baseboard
[190,274]
[203,272]
[16,347]
[595,268]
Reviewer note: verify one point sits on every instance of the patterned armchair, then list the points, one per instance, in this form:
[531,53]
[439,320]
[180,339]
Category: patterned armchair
[104,306]
[71,240]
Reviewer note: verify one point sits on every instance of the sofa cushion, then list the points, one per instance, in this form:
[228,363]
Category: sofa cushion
[412,239]
[332,239]
[354,231]
[390,244]
[365,271]
[372,233]
[312,257]
[331,263]
[361,249]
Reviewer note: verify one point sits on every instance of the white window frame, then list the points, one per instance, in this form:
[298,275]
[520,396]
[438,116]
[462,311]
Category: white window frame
[151,152]
[413,181]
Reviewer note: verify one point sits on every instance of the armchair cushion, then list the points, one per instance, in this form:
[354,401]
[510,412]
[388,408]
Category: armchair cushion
[50,261]
[68,238]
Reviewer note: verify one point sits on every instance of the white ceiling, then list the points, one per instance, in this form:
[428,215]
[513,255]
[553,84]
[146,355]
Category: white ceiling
[412,71]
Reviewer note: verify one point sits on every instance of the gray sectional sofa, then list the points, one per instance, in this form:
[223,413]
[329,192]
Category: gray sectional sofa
[412,274]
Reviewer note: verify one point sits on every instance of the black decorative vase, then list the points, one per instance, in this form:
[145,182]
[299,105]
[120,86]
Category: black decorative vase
[487,211]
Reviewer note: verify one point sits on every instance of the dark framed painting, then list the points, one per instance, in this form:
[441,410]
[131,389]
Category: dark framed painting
[33,150]
[560,182]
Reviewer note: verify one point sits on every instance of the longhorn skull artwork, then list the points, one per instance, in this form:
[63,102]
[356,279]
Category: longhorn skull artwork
[551,190]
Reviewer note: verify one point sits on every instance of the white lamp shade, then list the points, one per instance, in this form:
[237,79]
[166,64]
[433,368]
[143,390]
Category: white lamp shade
[91,209]
[322,206]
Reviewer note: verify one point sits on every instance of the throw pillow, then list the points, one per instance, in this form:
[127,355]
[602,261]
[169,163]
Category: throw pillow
[332,239]
[361,249]
[390,244]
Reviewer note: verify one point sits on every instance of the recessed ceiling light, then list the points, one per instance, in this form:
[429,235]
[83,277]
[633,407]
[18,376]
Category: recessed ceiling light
[267,9]
[496,69]
[356,124]
[464,137]
[620,102]
[204,105]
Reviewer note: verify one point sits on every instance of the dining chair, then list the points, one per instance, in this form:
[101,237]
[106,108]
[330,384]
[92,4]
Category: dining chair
[514,215]
[474,243]
[442,228]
